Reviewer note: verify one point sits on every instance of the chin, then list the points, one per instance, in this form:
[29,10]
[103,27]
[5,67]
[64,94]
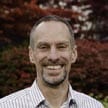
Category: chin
[54,83]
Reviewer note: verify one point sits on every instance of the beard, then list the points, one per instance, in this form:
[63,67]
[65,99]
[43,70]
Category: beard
[54,82]
[54,78]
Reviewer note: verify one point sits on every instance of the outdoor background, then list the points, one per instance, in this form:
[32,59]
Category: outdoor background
[89,20]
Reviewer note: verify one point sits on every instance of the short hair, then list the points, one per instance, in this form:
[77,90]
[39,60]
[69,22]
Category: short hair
[51,18]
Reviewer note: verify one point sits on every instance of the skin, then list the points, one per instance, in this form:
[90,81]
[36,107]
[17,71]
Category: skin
[53,56]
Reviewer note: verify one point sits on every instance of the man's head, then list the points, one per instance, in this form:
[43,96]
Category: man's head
[52,50]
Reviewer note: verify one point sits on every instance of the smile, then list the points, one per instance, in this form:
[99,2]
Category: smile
[54,67]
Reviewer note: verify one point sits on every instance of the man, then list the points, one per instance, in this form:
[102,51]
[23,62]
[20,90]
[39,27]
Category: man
[52,49]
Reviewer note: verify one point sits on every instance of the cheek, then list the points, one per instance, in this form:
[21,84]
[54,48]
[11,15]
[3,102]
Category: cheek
[68,60]
[67,56]
[39,58]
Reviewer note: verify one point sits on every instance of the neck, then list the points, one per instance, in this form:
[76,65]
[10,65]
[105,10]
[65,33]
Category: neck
[55,96]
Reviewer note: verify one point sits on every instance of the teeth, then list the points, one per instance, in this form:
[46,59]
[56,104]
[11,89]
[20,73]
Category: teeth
[54,67]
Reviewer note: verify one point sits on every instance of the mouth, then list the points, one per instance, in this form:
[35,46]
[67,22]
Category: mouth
[54,70]
[54,67]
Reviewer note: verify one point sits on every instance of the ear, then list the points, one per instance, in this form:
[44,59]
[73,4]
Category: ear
[74,54]
[31,55]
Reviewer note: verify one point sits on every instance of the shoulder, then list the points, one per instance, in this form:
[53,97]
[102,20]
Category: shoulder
[86,101]
[17,98]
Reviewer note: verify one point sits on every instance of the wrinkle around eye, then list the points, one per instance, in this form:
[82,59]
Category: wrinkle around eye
[63,46]
[43,47]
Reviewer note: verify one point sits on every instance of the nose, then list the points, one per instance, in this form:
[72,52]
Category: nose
[53,54]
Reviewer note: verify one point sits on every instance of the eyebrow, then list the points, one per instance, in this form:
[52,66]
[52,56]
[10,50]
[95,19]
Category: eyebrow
[42,43]
[63,42]
[60,42]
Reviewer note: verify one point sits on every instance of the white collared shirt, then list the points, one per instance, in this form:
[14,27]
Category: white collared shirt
[32,97]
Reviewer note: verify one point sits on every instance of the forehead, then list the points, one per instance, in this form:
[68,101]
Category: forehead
[51,31]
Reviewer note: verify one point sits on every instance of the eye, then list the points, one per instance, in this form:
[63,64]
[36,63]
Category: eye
[62,46]
[43,47]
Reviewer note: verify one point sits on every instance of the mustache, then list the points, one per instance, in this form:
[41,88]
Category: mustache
[52,62]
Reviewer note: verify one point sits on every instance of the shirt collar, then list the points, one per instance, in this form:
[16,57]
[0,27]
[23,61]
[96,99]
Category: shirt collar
[35,95]
[71,96]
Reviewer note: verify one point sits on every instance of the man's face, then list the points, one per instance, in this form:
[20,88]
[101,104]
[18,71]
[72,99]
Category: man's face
[53,53]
